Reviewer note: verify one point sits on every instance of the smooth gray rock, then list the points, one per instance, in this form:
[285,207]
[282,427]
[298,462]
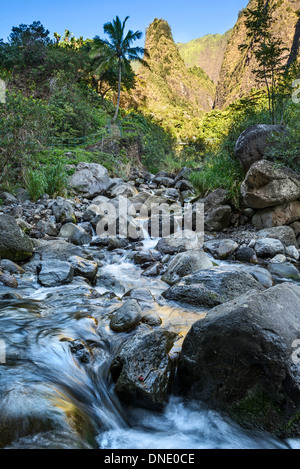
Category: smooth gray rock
[184,264]
[268,247]
[285,234]
[127,317]
[84,267]
[90,180]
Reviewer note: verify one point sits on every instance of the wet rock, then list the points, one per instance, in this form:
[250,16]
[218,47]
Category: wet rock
[63,211]
[196,294]
[266,186]
[90,179]
[75,234]
[83,267]
[240,359]
[14,244]
[153,270]
[142,295]
[221,249]
[178,242]
[11,267]
[81,351]
[53,274]
[56,249]
[228,283]
[268,247]
[110,283]
[143,370]
[8,280]
[127,317]
[152,320]
[252,144]
[184,264]
[284,271]
[147,258]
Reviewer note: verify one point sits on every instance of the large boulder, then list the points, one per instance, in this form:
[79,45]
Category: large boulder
[14,244]
[90,179]
[277,216]
[241,358]
[266,185]
[253,143]
[184,264]
[143,369]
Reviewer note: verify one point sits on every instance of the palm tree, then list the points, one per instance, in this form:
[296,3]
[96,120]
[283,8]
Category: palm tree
[119,47]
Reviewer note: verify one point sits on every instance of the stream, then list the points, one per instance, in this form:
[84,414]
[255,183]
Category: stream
[45,390]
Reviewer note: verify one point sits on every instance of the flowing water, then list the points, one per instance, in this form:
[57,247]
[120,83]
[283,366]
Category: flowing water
[58,401]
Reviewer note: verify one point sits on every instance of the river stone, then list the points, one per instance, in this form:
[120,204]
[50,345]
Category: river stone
[279,259]
[110,283]
[268,247]
[285,234]
[293,252]
[284,271]
[245,254]
[253,142]
[239,358]
[54,274]
[126,190]
[143,370]
[15,245]
[218,218]
[63,211]
[277,216]
[56,249]
[84,267]
[11,267]
[47,227]
[178,242]
[221,248]
[196,294]
[227,283]
[8,280]
[266,186]
[152,320]
[75,234]
[90,179]
[127,317]
[142,295]
[184,264]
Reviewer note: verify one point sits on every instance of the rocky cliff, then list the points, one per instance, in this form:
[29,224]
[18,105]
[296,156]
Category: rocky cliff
[236,75]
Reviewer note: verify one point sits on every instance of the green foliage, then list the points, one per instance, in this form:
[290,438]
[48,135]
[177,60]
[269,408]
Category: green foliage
[268,50]
[24,126]
[285,149]
[219,171]
[35,183]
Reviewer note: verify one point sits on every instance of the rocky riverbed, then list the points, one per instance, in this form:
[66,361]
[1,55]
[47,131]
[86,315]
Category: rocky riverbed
[100,334]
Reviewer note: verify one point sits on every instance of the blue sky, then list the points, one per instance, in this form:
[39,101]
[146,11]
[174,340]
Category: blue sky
[189,19]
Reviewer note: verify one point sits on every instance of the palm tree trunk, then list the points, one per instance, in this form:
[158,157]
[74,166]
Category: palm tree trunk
[119,92]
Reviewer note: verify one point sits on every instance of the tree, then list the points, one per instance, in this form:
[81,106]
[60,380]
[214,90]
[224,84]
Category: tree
[119,49]
[268,51]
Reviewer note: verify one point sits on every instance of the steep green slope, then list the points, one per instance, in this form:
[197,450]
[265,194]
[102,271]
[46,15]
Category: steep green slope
[206,52]
[167,89]
[236,76]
